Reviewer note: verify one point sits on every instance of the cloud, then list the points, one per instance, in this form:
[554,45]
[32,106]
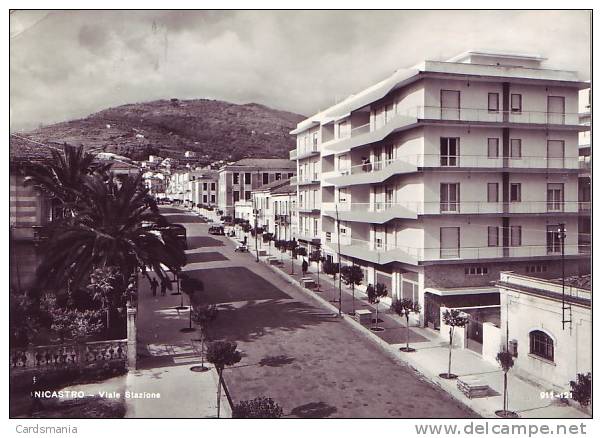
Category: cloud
[68,64]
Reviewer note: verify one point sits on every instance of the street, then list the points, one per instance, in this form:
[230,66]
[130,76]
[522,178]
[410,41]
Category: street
[295,351]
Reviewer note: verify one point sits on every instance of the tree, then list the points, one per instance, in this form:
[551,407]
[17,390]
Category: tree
[375,294]
[113,225]
[222,354]
[259,407]
[403,308]
[506,361]
[352,275]
[62,176]
[453,318]
[203,316]
[331,268]
[581,389]
[291,245]
[316,256]
[189,286]
[105,287]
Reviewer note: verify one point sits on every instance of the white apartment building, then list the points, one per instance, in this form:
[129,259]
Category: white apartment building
[445,174]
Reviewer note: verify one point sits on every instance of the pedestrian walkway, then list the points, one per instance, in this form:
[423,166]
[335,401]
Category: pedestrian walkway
[431,356]
[165,356]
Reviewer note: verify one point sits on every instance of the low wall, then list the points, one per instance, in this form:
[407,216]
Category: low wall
[492,339]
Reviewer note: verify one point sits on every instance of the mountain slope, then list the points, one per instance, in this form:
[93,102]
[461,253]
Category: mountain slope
[214,129]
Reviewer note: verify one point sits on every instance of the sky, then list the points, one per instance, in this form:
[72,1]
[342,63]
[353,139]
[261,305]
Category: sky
[68,64]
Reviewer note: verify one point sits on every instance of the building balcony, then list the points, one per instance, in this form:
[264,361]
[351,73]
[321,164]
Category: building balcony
[308,208]
[306,180]
[306,236]
[407,119]
[585,163]
[382,212]
[380,253]
[304,153]
[379,171]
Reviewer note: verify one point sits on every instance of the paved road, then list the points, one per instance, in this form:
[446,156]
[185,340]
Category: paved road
[294,351]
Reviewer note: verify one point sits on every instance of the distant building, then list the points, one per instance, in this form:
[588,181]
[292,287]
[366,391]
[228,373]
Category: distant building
[547,351]
[190,154]
[237,180]
[263,202]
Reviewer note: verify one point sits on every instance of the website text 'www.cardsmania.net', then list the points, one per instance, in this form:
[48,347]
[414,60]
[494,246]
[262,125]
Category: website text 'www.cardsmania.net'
[485,428]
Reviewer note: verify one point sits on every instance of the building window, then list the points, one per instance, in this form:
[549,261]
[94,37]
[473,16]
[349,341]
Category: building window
[450,242]
[516,235]
[236,195]
[278,176]
[515,192]
[493,147]
[212,198]
[235,178]
[515,148]
[290,175]
[541,344]
[531,269]
[553,240]
[265,178]
[213,186]
[493,102]
[555,197]
[492,192]
[247,195]
[493,236]
[476,270]
[247,177]
[516,103]
[204,186]
[342,195]
[450,150]
[449,197]
[204,199]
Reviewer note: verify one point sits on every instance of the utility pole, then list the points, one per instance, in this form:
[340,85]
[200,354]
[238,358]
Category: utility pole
[566,307]
[336,209]
[255,214]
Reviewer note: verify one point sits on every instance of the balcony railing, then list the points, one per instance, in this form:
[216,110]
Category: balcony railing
[471,161]
[484,115]
[468,207]
[385,252]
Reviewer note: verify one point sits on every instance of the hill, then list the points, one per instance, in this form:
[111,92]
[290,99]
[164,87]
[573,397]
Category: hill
[214,129]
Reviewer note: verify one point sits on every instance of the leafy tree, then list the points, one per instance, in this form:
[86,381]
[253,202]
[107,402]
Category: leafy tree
[331,268]
[375,294]
[506,361]
[581,389]
[352,275]
[403,308]
[292,245]
[453,318]
[203,316]
[24,320]
[222,354]
[190,286]
[316,256]
[106,287]
[260,407]
[74,324]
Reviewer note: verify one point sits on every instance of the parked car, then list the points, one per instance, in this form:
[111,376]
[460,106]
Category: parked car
[241,248]
[217,230]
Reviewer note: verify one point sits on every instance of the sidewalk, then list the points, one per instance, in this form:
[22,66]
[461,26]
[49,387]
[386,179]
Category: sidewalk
[165,356]
[431,356]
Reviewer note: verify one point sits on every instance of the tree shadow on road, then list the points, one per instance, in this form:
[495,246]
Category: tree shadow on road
[276,361]
[313,410]
[197,242]
[253,320]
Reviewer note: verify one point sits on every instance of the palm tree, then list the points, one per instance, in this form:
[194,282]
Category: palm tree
[403,308]
[352,276]
[453,318]
[113,225]
[61,177]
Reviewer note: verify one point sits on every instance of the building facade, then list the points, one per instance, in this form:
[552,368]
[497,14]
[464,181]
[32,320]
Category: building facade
[237,181]
[443,175]
[547,350]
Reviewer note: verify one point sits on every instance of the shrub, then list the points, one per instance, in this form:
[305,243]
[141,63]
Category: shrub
[581,389]
[259,407]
